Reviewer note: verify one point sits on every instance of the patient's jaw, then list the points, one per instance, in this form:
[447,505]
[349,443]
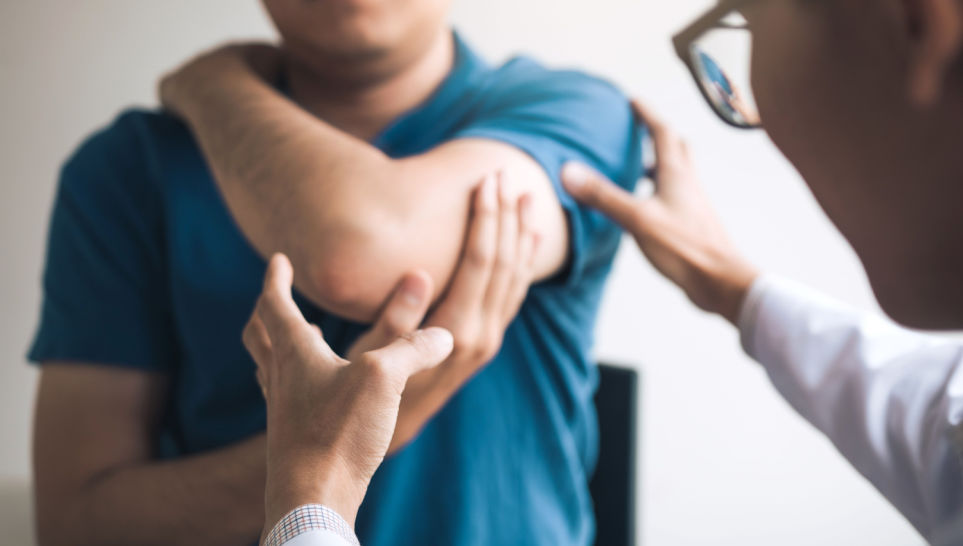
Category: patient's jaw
[836,86]
[358,64]
[357,39]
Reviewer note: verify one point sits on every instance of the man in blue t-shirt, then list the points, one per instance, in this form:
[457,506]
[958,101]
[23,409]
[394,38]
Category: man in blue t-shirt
[357,161]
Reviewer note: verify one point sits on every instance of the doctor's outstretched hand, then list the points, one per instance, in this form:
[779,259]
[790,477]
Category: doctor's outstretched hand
[676,228]
[329,421]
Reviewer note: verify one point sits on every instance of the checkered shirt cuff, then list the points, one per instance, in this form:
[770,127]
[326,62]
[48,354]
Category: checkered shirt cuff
[310,517]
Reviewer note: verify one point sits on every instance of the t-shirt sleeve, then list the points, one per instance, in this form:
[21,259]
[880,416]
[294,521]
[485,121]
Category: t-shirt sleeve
[557,117]
[104,291]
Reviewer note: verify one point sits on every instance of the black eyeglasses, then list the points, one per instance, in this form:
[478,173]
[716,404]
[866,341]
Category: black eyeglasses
[717,49]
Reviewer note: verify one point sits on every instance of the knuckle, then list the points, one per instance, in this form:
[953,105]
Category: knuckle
[375,365]
[638,219]
[503,264]
[463,343]
[391,330]
[480,256]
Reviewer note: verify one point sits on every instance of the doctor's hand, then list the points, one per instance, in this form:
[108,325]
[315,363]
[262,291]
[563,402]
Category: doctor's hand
[486,292]
[329,420]
[676,228]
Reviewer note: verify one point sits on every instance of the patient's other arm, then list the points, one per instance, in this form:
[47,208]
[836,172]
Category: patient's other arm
[98,481]
[345,213]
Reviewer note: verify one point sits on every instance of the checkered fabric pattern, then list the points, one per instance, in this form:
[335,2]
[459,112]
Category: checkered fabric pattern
[310,517]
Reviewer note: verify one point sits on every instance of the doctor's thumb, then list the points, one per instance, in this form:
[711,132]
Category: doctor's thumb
[592,189]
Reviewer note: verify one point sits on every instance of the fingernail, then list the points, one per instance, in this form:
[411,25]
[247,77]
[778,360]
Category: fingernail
[489,191]
[575,175]
[413,291]
[439,339]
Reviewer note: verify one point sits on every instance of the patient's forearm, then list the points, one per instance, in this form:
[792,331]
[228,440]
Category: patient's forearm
[293,183]
[215,498]
[352,220]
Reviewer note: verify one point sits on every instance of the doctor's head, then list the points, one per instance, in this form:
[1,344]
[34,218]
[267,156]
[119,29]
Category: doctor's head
[865,97]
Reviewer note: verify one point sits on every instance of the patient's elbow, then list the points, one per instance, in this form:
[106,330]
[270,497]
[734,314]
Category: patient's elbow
[350,284]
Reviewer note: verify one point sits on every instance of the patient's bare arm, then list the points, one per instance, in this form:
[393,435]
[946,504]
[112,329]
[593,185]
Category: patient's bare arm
[344,212]
[97,481]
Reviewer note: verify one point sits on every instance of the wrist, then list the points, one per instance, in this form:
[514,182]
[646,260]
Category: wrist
[183,91]
[728,283]
[292,484]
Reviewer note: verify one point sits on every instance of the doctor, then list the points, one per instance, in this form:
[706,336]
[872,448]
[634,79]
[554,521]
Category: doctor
[865,97]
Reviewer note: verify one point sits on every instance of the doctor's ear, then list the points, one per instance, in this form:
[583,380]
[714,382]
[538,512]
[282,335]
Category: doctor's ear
[935,35]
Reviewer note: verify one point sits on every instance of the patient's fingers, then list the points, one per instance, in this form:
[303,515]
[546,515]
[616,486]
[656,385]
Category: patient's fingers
[506,253]
[591,188]
[470,282]
[276,307]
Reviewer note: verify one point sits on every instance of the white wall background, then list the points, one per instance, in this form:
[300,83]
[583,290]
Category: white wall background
[724,460]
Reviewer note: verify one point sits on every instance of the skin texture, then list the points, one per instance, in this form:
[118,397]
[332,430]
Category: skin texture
[329,419]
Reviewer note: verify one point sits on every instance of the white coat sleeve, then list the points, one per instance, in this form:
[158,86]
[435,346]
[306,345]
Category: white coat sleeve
[890,399]
[311,525]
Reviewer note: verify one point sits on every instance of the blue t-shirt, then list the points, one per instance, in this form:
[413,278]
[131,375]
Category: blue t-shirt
[146,269]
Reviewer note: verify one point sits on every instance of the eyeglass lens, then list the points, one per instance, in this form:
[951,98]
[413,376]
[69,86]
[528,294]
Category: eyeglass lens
[721,59]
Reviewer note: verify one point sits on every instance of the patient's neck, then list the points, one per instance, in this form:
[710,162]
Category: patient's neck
[370,94]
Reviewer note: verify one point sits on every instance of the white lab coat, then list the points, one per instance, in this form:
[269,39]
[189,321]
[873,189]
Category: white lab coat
[890,399]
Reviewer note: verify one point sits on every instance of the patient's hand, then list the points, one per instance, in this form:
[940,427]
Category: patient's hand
[486,292]
[676,228]
[195,79]
[329,420]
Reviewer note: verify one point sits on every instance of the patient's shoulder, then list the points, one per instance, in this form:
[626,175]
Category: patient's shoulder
[523,80]
[578,115]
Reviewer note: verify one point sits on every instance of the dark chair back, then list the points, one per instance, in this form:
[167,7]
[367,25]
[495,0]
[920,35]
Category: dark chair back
[613,485]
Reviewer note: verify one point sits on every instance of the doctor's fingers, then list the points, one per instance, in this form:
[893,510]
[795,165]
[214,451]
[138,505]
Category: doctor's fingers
[402,314]
[592,189]
[276,308]
[258,344]
[408,355]
[671,149]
